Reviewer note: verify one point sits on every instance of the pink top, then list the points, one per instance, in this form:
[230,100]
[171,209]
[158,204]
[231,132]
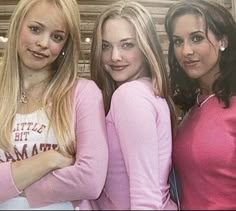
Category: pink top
[139,136]
[83,180]
[204,156]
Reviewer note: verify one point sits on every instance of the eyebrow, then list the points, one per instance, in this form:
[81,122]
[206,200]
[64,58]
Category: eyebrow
[191,34]
[123,40]
[126,39]
[42,25]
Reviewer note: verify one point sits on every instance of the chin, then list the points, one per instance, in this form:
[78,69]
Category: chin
[193,74]
[119,79]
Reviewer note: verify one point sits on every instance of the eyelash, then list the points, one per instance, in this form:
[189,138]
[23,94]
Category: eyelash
[177,42]
[105,46]
[198,38]
[34,29]
[194,39]
[56,37]
[127,45]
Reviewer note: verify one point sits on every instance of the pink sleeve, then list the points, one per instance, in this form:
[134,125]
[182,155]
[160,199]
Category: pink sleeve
[86,178]
[137,124]
[8,188]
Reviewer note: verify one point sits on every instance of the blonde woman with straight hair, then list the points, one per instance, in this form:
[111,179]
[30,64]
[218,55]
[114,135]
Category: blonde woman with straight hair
[53,146]
[128,65]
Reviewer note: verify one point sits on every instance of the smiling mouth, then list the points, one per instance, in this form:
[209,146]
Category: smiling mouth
[118,68]
[190,63]
[38,54]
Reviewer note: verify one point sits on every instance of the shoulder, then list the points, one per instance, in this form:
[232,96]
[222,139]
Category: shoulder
[140,90]
[85,90]
[85,86]
[137,94]
[134,89]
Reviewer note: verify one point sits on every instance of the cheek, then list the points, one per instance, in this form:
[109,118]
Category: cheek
[105,58]
[208,53]
[209,50]
[105,61]
[56,49]
[135,56]
[25,37]
[177,53]
[210,58]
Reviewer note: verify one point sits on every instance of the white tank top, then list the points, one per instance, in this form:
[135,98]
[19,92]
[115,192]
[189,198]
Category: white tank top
[30,135]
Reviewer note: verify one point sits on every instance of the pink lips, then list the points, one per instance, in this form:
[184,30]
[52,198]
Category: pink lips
[38,54]
[118,67]
[190,63]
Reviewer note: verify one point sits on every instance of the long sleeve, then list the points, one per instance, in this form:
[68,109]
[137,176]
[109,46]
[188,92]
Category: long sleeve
[142,123]
[86,178]
[8,188]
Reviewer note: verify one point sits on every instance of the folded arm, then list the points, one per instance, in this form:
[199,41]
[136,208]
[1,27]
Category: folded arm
[85,179]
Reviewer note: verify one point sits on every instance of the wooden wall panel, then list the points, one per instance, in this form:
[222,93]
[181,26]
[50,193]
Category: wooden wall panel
[89,9]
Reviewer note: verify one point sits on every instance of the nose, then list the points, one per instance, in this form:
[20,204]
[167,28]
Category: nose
[43,41]
[116,54]
[187,49]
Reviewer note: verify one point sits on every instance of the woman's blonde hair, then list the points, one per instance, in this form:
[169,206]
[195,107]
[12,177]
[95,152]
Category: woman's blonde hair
[58,92]
[148,43]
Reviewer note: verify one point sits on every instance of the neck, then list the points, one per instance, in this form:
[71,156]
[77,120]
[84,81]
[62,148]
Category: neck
[205,91]
[30,77]
[33,92]
[30,84]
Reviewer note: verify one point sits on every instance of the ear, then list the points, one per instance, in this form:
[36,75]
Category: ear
[223,43]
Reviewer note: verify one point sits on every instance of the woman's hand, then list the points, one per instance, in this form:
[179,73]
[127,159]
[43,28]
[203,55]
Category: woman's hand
[37,166]
[22,194]
[62,160]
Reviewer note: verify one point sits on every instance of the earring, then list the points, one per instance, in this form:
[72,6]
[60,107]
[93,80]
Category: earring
[63,53]
[222,48]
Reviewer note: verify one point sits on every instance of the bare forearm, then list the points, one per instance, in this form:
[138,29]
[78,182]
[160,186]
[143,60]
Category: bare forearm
[25,172]
[28,171]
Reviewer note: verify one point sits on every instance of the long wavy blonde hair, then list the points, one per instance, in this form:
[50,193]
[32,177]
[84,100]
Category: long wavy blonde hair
[148,43]
[59,89]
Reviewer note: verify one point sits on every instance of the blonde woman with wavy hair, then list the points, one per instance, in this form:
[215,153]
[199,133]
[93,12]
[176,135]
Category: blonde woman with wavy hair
[50,153]
[128,65]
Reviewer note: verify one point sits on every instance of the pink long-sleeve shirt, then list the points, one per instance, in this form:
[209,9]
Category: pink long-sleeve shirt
[83,180]
[140,146]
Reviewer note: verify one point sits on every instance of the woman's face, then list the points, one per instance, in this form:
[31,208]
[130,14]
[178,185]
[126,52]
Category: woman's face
[197,55]
[121,55]
[42,36]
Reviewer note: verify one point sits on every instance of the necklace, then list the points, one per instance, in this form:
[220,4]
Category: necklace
[24,97]
[200,104]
